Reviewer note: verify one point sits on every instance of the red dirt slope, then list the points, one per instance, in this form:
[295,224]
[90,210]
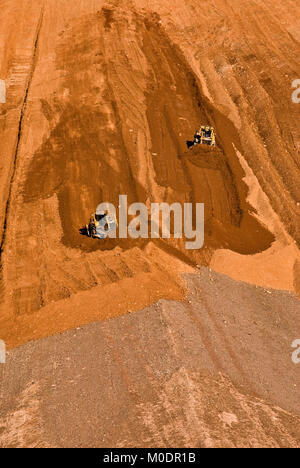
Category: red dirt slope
[101,102]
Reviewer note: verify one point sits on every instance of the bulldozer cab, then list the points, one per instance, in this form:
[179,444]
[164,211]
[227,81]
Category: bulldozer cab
[204,136]
[207,135]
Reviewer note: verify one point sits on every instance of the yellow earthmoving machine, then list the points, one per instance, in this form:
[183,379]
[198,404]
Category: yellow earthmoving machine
[208,136]
[205,136]
[101,224]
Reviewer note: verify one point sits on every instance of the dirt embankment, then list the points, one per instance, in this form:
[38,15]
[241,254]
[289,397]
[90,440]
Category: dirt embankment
[124,94]
[114,119]
[101,98]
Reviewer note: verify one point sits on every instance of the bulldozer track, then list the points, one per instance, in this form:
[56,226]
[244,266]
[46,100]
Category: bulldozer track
[19,135]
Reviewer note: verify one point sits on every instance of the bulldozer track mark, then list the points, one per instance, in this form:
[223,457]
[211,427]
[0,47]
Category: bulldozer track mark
[155,385]
[142,101]
[112,275]
[107,111]
[19,135]
[227,346]
[120,161]
[175,252]
[129,384]
[206,339]
[118,360]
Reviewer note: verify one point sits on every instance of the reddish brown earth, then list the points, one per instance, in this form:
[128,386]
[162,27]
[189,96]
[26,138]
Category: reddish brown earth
[101,98]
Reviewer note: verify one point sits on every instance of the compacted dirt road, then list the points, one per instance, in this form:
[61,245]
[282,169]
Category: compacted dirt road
[101,98]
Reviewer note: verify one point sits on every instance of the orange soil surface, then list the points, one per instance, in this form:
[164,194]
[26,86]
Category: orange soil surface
[101,98]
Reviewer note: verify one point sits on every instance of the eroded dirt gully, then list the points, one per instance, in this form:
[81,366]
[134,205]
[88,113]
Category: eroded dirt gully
[112,93]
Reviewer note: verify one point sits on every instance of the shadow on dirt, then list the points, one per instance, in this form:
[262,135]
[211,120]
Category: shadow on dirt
[83,231]
[189,144]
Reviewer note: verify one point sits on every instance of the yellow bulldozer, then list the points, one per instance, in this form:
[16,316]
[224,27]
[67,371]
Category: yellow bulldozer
[101,224]
[204,136]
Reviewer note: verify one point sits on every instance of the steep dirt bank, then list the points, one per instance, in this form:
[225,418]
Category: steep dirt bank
[245,55]
[101,101]
[113,119]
